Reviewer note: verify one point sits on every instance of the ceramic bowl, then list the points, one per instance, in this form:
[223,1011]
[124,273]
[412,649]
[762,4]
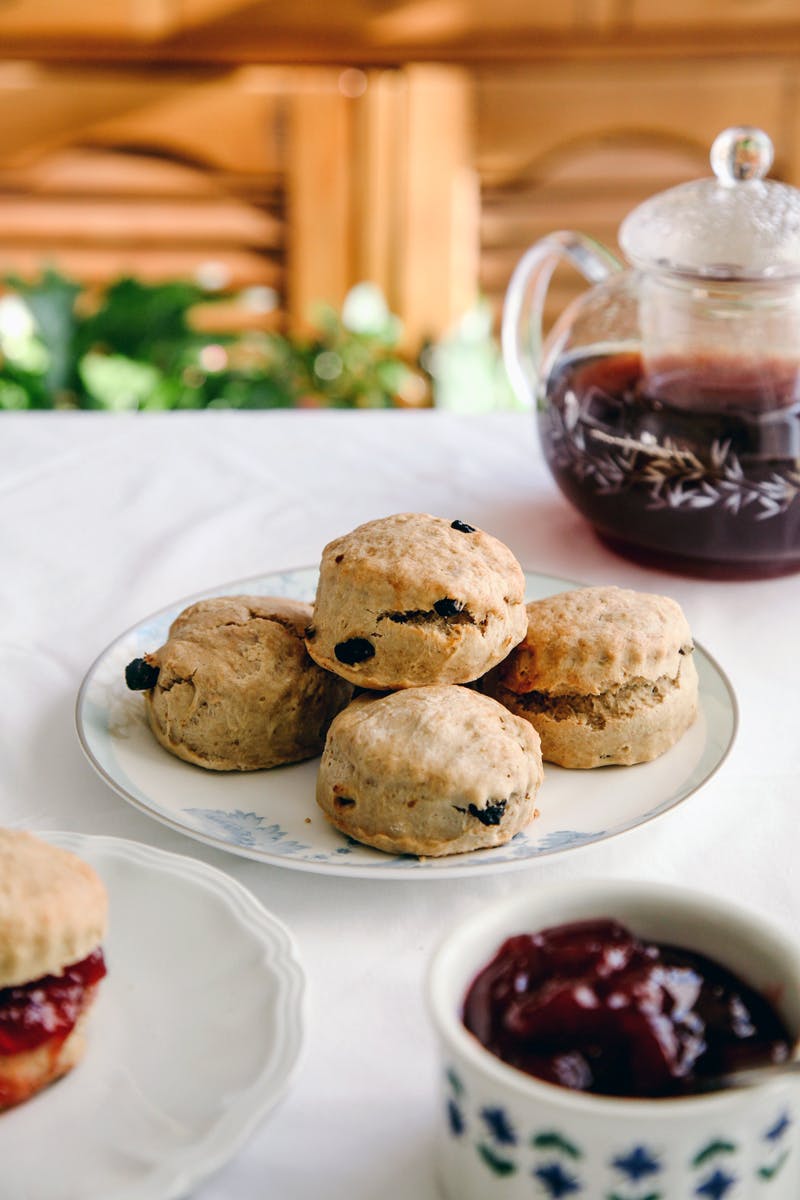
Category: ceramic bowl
[507,1136]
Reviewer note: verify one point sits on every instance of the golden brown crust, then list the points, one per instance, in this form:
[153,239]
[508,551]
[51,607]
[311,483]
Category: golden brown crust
[590,640]
[216,611]
[429,771]
[427,602]
[236,690]
[53,908]
[632,724]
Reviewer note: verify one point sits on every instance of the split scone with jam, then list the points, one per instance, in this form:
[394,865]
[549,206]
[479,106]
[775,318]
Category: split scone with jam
[604,674]
[429,771]
[53,913]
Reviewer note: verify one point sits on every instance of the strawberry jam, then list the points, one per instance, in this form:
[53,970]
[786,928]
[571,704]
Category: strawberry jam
[47,1008]
[591,1007]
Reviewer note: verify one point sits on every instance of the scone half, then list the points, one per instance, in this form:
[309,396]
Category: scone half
[429,771]
[605,675]
[53,912]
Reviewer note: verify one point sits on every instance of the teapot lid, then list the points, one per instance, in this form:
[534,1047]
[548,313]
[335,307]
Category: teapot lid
[737,225]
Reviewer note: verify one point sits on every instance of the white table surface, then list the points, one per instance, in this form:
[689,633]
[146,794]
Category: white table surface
[105,519]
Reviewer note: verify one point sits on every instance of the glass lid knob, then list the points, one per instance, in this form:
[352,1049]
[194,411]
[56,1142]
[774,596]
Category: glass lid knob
[740,154]
[736,224]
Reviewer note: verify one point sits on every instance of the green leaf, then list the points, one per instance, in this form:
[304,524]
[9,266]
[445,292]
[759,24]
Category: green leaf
[134,347]
[51,301]
[13,396]
[499,1166]
[649,1196]
[455,1082]
[771,1172]
[718,1146]
[118,383]
[145,321]
[552,1140]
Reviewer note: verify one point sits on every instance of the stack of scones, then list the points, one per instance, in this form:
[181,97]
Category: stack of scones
[431,690]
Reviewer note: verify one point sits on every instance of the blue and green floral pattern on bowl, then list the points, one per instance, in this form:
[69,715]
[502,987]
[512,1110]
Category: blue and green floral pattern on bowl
[556,1161]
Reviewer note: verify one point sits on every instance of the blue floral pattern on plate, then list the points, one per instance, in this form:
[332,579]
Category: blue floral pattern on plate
[245,829]
[271,816]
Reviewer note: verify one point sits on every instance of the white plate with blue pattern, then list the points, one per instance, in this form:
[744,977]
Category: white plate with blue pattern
[272,815]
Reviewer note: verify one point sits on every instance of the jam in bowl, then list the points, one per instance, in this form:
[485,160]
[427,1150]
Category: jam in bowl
[592,1007]
[668,395]
[578,1026]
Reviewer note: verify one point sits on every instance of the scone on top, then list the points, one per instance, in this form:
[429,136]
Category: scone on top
[233,689]
[431,770]
[53,915]
[604,674]
[416,599]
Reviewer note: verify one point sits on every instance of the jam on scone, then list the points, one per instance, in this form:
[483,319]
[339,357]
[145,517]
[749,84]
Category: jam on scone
[53,912]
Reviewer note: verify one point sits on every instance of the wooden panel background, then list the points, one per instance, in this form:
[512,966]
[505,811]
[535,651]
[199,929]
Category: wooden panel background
[578,147]
[422,144]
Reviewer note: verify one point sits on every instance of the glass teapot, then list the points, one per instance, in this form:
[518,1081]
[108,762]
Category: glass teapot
[668,395]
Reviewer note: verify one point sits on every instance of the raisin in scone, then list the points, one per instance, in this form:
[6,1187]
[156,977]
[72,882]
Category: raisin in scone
[53,912]
[604,674]
[430,771]
[233,689]
[414,599]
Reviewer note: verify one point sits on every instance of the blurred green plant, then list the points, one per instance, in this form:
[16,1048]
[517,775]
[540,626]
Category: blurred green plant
[136,349]
[467,368]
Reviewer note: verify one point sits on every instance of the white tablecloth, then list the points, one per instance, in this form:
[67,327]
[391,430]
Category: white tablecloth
[106,519]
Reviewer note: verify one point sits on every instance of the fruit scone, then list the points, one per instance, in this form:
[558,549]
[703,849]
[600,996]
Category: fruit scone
[414,599]
[53,913]
[604,674]
[429,771]
[233,689]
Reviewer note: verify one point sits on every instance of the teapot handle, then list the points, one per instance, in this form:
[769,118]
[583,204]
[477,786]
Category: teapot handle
[524,300]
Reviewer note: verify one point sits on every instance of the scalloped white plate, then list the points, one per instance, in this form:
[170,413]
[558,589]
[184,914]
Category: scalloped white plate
[193,1037]
[272,815]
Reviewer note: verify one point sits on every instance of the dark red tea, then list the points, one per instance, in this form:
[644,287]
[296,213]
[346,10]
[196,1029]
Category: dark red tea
[694,466]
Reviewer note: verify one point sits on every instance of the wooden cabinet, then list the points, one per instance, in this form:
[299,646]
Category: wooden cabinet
[419,144]
[380,187]
[710,15]
[568,146]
